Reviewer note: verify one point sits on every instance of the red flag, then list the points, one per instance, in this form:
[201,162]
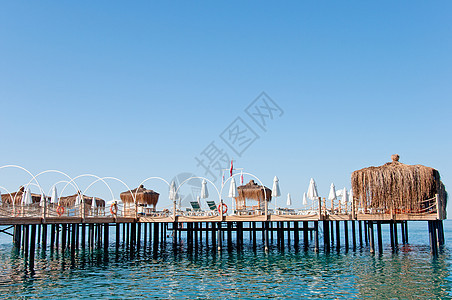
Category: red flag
[230,171]
[241,178]
[222,180]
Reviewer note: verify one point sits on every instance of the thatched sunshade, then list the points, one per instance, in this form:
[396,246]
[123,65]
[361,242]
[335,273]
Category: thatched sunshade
[143,196]
[69,201]
[398,187]
[17,197]
[252,191]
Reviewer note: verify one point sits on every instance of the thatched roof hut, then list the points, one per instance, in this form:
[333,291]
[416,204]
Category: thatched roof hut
[17,197]
[252,191]
[143,196]
[395,187]
[69,201]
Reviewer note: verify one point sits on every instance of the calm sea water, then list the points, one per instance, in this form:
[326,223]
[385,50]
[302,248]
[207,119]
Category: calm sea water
[411,273]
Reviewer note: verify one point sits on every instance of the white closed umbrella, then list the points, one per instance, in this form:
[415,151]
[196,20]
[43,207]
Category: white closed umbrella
[289,200]
[332,195]
[26,198]
[305,199]
[312,190]
[94,203]
[43,200]
[275,190]
[54,198]
[344,196]
[199,200]
[172,192]
[350,196]
[232,189]
[204,191]
[78,200]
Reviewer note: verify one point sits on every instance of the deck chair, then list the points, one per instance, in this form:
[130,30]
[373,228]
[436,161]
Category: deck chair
[195,206]
[212,205]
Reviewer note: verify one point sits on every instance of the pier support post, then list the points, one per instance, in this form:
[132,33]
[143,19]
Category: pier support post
[305,235]
[229,236]
[220,240]
[73,232]
[396,238]
[118,237]
[432,235]
[346,235]
[406,231]
[296,234]
[32,246]
[254,236]
[391,235]
[441,240]
[63,237]
[156,237]
[371,236]
[106,236]
[379,239]
[354,235]
[338,236]
[360,231]
[316,236]
[326,236]
[332,233]
[266,248]
[52,237]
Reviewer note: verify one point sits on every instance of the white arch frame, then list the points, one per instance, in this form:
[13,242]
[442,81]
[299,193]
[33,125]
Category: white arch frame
[198,177]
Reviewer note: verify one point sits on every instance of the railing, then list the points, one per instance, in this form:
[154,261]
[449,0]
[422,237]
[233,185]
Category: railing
[321,208]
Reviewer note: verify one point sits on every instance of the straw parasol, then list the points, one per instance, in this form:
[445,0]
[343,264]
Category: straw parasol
[398,187]
[17,197]
[143,196]
[252,191]
[70,201]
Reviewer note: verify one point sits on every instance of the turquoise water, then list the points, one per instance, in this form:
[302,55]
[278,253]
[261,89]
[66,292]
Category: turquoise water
[410,273]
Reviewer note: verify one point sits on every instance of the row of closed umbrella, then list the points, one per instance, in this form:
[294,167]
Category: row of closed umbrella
[312,193]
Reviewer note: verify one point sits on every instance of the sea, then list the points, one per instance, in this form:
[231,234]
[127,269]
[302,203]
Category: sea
[411,272]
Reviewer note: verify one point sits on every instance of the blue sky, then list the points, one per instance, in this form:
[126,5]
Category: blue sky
[139,89]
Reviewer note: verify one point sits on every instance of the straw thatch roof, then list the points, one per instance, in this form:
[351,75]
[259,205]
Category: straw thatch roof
[397,186]
[143,196]
[253,191]
[69,201]
[17,197]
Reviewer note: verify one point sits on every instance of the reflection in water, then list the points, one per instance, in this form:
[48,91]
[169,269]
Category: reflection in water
[206,273]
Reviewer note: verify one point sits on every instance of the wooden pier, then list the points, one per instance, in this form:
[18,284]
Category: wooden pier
[150,232]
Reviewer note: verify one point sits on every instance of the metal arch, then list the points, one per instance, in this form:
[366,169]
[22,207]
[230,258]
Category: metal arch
[63,181]
[54,171]
[88,175]
[149,178]
[245,173]
[10,196]
[199,177]
[114,178]
[22,168]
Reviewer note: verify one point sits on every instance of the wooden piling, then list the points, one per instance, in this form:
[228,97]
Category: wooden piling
[305,235]
[138,236]
[432,237]
[379,238]
[156,237]
[326,235]
[63,237]
[106,236]
[338,236]
[316,236]
[296,234]
[346,242]
[73,240]
[353,235]
[52,237]
[371,236]
[32,246]
[118,236]
[254,235]
[360,231]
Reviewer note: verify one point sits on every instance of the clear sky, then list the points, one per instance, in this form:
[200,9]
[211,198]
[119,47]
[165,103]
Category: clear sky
[142,88]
